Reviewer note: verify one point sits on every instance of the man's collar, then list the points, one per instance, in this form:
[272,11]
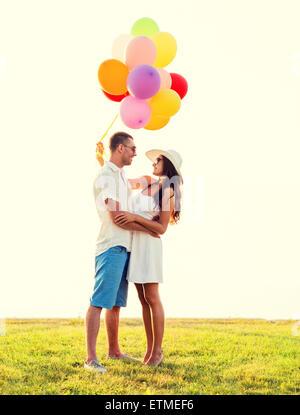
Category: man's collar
[112,165]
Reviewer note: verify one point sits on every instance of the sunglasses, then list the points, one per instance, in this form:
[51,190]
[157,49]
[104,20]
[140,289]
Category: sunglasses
[133,148]
[157,160]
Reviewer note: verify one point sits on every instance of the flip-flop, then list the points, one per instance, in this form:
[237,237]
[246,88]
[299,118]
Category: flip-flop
[158,363]
[124,356]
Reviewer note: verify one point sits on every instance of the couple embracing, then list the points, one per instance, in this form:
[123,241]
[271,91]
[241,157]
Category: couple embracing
[129,247]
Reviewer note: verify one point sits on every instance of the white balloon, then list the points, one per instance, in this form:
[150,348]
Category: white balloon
[119,46]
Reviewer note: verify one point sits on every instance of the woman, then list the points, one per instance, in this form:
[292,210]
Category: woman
[163,198]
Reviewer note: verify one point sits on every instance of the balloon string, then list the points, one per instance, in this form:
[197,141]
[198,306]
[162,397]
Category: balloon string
[100,147]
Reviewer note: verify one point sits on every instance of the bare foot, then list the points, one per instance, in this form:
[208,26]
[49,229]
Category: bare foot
[155,360]
[147,357]
[116,354]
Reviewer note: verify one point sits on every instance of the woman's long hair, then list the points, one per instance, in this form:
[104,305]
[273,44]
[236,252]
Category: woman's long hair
[174,181]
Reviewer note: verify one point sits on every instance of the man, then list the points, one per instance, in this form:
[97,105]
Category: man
[112,196]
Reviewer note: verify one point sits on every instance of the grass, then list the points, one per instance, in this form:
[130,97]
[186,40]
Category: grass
[228,357]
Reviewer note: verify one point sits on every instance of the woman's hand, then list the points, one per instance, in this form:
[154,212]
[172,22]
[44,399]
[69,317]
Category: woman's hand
[140,182]
[154,234]
[123,218]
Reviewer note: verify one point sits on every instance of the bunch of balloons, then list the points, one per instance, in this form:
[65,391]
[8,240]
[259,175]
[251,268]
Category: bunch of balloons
[136,77]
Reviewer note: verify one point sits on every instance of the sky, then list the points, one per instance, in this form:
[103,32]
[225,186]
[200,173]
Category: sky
[236,251]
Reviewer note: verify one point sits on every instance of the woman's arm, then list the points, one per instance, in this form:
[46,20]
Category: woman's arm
[114,210]
[134,226]
[141,182]
[159,226]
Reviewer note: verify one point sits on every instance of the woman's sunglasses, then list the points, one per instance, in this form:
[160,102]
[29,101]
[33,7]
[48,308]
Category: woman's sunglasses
[157,160]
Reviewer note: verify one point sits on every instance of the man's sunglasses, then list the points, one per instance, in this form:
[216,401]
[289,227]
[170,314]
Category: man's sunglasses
[133,148]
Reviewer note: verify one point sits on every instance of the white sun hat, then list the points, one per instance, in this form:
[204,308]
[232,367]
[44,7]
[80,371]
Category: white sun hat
[172,155]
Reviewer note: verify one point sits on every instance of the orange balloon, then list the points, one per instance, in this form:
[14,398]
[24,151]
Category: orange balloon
[99,153]
[112,75]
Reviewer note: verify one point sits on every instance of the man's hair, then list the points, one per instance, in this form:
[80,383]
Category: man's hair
[118,138]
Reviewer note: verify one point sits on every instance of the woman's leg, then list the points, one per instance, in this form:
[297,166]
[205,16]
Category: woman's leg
[147,321]
[158,320]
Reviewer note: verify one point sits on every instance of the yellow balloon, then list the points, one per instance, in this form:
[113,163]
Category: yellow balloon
[165,103]
[166,46]
[112,75]
[157,122]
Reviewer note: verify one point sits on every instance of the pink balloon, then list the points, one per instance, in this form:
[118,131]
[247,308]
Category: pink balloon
[141,50]
[135,113]
[166,80]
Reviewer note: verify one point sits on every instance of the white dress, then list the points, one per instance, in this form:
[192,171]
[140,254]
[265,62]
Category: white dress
[145,263]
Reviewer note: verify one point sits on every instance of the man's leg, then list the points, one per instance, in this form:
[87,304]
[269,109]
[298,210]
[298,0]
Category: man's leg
[92,329]
[112,316]
[112,327]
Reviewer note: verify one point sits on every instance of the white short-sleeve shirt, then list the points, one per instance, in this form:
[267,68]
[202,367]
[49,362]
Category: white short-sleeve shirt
[111,183]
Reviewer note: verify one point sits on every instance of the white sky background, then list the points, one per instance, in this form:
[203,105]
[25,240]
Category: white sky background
[236,252]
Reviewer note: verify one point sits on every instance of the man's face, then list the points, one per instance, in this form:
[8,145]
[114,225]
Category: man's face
[129,151]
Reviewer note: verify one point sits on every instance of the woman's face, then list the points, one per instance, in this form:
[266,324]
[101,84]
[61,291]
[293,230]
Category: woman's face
[158,166]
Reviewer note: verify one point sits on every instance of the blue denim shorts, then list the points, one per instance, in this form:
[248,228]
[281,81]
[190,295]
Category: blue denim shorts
[111,286]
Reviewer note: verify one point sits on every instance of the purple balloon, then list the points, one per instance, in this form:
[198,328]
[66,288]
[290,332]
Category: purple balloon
[143,81]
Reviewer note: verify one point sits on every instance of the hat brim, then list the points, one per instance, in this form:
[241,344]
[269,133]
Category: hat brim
[153,154]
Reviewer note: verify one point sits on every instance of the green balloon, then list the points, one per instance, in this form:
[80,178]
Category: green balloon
[144,27]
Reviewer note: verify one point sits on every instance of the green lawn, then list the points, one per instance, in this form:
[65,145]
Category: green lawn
[201,357]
